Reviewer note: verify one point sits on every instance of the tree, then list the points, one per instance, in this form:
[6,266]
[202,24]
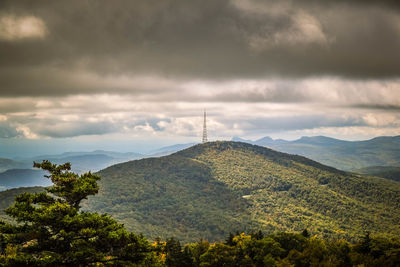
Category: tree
[175,257]
[52,231]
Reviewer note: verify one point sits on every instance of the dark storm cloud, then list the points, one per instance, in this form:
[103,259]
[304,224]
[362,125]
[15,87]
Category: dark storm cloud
[202,39]
[71,68]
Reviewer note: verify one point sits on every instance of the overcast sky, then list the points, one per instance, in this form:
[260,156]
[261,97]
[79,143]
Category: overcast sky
[133,75]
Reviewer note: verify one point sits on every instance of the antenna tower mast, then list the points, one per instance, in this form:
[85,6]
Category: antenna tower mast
[204,129]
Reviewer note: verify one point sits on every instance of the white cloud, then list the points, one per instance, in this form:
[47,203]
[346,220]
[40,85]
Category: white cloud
[235,107]
[26,132]
[15,28]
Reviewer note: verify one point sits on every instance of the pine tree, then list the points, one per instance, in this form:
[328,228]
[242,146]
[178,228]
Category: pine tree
[52,231]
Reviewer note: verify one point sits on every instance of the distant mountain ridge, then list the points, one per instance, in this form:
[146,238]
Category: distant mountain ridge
[22,178]
[344,155]
[6,164]
[20,173]
[81,161]
[210,189]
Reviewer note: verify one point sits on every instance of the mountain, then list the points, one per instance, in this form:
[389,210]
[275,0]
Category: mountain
[344,155]
[388,172]
[320,140]
[22,178]
[211,189]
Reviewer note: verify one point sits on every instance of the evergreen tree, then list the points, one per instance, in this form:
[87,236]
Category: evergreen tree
[175,257]
[52,231]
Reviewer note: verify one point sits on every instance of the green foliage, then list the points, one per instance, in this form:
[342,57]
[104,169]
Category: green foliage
[289,249]
[170,196]
[388,172]
[215,188]
[51,231]
[7,198]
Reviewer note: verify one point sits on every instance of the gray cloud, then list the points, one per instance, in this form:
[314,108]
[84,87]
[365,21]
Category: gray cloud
[202,39]
[290,123]
[7,131]
[70,129]
[378,107]
[150,67]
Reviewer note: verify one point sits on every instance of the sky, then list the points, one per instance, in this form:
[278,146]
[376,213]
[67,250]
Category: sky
[135,75]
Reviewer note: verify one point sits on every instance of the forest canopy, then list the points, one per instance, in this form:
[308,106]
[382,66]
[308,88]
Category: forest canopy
[50,229]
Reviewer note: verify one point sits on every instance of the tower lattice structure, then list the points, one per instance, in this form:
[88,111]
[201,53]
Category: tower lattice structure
[205,128]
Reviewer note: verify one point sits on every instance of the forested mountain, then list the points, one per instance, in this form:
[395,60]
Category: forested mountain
[53,232]
[210,189]
[344,155]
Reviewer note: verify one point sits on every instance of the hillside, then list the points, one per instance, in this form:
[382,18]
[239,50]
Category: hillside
[388,172]
[211,189]
[344,155]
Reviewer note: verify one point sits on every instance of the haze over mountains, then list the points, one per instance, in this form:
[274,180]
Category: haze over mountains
[19,173]
[367,157]
[14,178]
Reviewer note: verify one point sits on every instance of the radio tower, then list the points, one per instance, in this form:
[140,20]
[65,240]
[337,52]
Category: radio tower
[204,129]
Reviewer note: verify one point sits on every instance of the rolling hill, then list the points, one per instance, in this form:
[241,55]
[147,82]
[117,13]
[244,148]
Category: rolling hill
[209,190]
[344,155]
